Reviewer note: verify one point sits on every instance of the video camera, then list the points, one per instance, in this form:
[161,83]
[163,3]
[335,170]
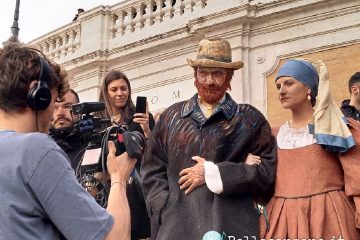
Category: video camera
[88,123]
[92,168]
[94,159]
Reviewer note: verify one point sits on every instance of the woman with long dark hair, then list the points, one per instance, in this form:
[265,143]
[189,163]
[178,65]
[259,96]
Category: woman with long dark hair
[116,94]
[119,107]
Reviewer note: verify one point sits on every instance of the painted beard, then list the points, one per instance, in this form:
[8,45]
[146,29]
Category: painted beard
[211,94]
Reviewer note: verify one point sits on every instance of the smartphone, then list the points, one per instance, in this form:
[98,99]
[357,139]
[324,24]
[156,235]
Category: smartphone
[140,104]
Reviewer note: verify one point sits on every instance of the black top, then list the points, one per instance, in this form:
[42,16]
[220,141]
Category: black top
[132,126]
[140,221]
[350,111]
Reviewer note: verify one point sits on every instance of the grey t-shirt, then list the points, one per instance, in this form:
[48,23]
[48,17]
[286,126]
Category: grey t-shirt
[39,194]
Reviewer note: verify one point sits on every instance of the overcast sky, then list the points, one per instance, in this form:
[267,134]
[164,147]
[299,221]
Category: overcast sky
[38,17]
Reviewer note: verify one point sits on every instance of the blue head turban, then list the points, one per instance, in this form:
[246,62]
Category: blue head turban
[302,71]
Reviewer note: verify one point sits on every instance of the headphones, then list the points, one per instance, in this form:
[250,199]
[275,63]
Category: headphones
[39,97]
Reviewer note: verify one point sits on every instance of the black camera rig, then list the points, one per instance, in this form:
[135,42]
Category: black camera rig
[93,163]
[88,125]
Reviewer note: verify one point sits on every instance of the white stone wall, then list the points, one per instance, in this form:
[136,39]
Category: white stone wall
[152,48]
[304,27]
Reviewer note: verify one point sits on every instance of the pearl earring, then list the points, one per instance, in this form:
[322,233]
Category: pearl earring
[309,97]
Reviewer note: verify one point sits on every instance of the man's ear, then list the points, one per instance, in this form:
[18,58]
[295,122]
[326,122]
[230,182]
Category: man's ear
[354,89]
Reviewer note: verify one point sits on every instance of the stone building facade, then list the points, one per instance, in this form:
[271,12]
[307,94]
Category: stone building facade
[150,40]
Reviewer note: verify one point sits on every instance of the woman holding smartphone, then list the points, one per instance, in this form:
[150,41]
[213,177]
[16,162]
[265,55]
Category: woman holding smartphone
[116,94]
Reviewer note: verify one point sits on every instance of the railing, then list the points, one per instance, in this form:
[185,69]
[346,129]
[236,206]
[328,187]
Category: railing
[147,13]
[60,43]
[124,18]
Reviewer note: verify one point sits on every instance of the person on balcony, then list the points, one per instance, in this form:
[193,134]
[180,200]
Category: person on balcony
[79,11]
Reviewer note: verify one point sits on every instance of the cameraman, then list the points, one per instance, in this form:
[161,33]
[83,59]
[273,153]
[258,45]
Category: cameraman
[62,128]
[41,198]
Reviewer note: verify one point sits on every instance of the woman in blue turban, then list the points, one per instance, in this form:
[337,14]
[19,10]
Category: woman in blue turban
[317,186]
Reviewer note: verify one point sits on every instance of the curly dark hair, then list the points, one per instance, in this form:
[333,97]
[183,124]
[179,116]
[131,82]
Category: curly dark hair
[129,110]
[19,66]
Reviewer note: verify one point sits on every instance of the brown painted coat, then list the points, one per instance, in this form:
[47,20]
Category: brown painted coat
[225,138]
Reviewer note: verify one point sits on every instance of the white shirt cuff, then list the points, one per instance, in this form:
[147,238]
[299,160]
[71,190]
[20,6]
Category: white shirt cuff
[212,177]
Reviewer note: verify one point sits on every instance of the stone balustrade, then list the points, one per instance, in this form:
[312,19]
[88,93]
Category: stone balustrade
[140,14]
[60,43]
[115,22]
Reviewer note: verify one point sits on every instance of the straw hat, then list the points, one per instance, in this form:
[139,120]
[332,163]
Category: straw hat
[214,53]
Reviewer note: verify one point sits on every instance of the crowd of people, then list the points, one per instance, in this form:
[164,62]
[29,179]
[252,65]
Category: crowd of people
[211,167]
